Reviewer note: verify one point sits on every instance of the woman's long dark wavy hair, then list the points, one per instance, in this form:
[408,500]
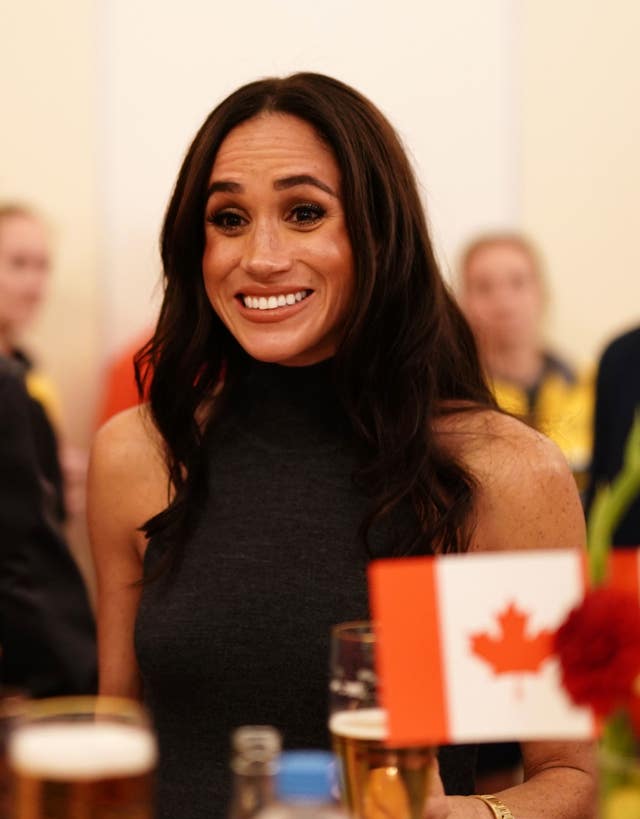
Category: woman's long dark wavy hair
[406,349]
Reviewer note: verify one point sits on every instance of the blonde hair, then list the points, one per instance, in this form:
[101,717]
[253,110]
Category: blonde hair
[11,210]
[512,239]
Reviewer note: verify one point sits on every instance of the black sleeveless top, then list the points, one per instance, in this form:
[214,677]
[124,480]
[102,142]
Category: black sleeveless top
[239,634]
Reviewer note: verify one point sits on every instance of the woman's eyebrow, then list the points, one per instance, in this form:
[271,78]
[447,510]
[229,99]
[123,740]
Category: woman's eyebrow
[224,186]
[302,179]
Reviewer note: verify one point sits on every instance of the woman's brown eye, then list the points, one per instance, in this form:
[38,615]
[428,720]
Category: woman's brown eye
[226,220]
[307,214]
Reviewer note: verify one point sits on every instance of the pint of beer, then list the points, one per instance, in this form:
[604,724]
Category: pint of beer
[376,780]
[83,758]
[11,703]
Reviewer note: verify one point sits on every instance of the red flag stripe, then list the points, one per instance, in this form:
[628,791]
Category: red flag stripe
[407,603]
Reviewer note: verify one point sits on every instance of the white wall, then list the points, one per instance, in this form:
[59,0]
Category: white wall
[47,158]
[581,162]
[443,73]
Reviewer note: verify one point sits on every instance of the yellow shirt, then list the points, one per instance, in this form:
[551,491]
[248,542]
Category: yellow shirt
[561,407]
[41,389]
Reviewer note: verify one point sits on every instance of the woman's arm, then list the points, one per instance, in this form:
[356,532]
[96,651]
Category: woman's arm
[560,783]
[127,485]
[527,499]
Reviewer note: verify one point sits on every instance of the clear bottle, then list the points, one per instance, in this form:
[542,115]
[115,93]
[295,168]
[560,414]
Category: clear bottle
[254,763]
[305,788]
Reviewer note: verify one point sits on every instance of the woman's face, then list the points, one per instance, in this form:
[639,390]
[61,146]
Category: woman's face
[277,264]
[24,271]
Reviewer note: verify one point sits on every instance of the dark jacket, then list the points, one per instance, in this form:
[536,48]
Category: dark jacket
[47,629]
[617,398]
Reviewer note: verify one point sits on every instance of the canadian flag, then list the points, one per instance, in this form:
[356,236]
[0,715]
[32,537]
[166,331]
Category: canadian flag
[465,646]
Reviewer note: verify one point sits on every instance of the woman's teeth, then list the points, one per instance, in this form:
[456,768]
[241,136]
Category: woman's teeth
[271,302]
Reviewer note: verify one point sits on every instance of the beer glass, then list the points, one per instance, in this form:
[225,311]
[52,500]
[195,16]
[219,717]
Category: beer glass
[82,758]
[12,700]
[377,781]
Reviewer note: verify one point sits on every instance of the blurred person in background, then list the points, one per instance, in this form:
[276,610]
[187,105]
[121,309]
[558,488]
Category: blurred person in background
[617,401]
[25,264]
[502,293]
[47,629]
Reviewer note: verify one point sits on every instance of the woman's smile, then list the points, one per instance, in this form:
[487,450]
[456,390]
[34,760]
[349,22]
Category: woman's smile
[273,303]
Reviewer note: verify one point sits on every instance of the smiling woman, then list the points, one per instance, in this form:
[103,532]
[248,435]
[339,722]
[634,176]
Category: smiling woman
[277,261]
[315,401]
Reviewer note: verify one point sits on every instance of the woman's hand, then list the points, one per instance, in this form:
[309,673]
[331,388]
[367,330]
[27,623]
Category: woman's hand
[437,806]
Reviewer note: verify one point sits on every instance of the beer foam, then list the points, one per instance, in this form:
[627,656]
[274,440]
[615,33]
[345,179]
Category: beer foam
[74,750]
[364,723]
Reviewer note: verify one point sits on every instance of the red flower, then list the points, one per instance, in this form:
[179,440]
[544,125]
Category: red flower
[633,709]
[599,650]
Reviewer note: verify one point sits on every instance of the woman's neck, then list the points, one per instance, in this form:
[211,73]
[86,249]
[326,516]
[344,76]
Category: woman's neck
[291,407]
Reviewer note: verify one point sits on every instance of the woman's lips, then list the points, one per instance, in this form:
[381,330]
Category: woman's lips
[273,306]
[269,301]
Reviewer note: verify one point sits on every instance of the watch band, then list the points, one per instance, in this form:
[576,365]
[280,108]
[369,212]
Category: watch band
[498,808]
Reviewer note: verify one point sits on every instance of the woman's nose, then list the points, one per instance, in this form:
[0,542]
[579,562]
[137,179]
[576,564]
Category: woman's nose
[267,251]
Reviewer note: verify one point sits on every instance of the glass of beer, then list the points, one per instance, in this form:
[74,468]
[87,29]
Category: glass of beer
[82,758]
[12,701]
[377,781]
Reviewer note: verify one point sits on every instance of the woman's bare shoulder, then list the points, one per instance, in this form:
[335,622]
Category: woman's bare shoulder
[127,471]
[527,496]
[483,438]
[129,434]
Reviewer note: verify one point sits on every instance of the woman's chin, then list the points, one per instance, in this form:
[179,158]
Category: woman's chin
[287,356]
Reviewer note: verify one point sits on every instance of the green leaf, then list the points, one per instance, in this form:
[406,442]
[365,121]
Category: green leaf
[610,505]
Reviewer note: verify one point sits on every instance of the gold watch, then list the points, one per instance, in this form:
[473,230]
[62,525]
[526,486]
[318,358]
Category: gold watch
[498,808]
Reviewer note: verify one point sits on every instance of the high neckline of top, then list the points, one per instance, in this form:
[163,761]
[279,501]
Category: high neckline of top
[292,408]
[268,374]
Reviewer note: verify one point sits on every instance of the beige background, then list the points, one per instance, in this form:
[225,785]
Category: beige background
[580,169]
[48,158]
[517,113]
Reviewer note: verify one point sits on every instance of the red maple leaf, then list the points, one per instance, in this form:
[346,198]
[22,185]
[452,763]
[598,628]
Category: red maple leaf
[513,650]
